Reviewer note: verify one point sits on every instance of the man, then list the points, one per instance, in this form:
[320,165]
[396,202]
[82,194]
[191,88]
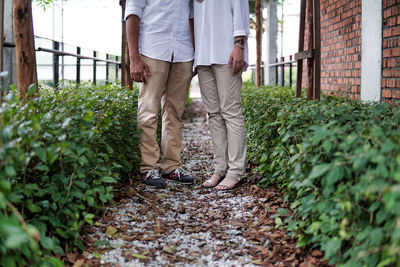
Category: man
[159,35]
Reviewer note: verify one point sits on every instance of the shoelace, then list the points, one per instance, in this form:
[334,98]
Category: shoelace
[180,172]
[153,174]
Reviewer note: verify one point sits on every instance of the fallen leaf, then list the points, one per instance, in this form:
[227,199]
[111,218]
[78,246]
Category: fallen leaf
[110,231]
[79,263]
[169,250]
[72,257]
[99,243]
[139,256]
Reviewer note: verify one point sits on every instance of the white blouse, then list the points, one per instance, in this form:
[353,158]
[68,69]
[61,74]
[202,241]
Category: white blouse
[164,28]
[216,24]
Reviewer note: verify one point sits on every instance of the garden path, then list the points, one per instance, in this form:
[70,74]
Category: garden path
[191,225]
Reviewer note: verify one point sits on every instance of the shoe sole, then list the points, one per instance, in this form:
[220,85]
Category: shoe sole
[162,186]
[179,182]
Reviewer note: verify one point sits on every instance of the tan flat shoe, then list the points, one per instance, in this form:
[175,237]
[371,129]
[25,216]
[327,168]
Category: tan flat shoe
[229,182]
[215,178]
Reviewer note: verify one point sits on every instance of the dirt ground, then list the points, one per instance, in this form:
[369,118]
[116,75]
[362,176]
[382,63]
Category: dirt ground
[191,225]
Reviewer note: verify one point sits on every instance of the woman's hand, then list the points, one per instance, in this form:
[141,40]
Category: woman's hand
[236,60]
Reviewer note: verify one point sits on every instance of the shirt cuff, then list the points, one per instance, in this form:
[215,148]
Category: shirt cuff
[239,33]
[133,11]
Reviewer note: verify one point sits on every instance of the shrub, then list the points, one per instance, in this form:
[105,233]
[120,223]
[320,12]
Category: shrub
[60,154]
[338,161]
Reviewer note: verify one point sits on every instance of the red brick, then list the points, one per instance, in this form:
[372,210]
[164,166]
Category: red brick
[396,94]
[387,93]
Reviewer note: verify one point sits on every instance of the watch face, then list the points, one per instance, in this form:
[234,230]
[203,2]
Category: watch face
[240,41]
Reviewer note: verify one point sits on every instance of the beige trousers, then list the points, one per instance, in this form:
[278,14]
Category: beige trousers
[168,85]
[221,94]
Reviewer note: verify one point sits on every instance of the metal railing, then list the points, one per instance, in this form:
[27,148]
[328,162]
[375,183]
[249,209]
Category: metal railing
[285,71]
[68,63]
[283,65]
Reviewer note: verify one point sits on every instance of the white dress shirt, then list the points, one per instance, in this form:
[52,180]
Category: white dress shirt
[164,28]
[216,24]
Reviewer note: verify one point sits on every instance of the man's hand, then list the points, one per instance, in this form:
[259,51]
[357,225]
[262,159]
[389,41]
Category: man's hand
[194,72]
[236,60]
[139,70]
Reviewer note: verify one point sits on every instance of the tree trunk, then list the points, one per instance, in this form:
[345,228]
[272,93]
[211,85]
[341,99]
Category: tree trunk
[258,40]
[24,46]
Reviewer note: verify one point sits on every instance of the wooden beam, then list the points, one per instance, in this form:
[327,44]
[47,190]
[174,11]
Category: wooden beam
[299,80]
[259,42]
[304,54]
[24,46]
[317,48]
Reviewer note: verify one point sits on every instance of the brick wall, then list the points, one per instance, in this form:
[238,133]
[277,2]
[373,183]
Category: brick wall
[391,50]
[340,47]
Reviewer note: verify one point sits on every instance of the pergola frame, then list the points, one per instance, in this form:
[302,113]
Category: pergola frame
[313,54]
[26,61]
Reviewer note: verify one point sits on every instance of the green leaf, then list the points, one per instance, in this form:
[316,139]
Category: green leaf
[319,170]
[332,247]
[10,171]
[108,179]
[41,153]
[47,242]
[5,185]
[56,262]
[14,241]
[376,236]
[32,207]
[99,243]
[97,255]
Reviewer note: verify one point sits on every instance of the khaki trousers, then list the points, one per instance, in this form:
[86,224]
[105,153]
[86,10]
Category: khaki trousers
[168,85]
[221,94]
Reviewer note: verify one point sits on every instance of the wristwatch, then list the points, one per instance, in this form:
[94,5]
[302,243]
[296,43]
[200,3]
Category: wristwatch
[240,42]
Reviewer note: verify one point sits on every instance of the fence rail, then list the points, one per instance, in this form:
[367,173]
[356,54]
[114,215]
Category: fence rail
[285,68]
[73,63]
[280,70]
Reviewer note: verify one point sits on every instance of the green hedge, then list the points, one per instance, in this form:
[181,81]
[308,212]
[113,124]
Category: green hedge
[338,161]
[60,155]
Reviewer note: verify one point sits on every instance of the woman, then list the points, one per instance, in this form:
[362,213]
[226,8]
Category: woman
[221,54]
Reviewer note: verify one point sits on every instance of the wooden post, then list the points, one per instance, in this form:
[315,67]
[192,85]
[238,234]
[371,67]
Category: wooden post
[317,50]
[299,80]
[24,46]
[259,43]
[310,44]
[313,54]
[1,43]
[1,33]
